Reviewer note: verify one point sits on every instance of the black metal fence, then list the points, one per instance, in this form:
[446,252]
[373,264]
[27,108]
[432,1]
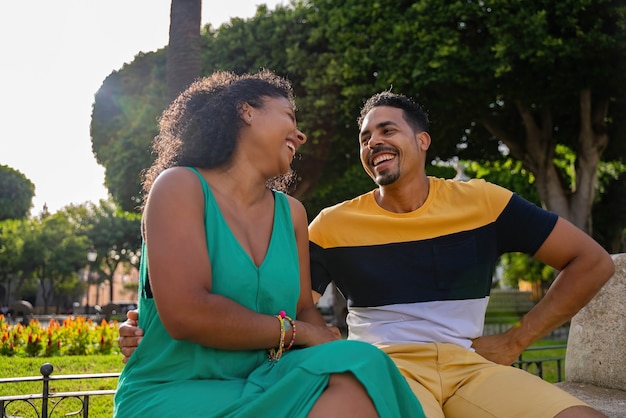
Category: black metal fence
[539,364]
[44,404]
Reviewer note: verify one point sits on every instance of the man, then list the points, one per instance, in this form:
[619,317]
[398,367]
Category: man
[415,257]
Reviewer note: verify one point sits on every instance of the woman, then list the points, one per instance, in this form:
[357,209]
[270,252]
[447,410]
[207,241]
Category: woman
[225,295]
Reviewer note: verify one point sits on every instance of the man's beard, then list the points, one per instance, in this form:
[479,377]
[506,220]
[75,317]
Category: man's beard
[387,178]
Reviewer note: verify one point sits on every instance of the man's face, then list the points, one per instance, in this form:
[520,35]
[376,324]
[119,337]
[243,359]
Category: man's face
[388,144]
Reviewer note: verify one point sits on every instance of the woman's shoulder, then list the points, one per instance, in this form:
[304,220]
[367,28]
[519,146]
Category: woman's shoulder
[296,205]
[177,184]
[297,209]
[178,172]
[176,177]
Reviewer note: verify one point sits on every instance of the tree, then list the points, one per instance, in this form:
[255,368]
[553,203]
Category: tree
[285,41]
[124,122]
[114,234]
[16,194]
[53,252]
[527,74]
[609,215]
[11,245]
[518,266]
[116,237]
[130,100]
[183,51]
[524,77]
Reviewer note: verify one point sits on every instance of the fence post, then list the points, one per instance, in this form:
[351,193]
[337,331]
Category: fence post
[45,370]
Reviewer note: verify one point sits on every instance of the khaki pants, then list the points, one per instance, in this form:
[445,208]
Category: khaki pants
[453,382]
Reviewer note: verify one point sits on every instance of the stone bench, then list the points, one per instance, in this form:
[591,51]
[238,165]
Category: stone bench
[595,362]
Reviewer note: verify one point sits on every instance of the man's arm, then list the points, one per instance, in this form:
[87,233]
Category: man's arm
[584,267]
[316,296]
[130,334]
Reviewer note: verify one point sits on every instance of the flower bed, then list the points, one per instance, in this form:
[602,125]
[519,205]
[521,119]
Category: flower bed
[76,336]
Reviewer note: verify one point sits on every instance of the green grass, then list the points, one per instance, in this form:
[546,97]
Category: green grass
[99,406]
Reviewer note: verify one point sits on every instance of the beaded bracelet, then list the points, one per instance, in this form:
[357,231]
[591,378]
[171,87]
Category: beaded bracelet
[284,315]
[275,354]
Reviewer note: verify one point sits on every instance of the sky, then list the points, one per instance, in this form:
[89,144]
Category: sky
[55,56]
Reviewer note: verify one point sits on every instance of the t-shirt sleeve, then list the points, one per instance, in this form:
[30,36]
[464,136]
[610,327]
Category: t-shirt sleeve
[320,277]
[523,226]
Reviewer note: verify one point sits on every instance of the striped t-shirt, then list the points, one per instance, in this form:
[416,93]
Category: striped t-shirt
[423,276]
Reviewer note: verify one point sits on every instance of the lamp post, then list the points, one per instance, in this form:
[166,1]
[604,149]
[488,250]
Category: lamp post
[92,255]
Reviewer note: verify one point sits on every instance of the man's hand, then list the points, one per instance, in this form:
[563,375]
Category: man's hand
[130,335]
[335,331]
[309,335]
[497,348]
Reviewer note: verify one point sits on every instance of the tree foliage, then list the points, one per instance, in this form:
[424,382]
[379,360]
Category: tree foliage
[124,122]
[527,77]
[116,236]
[16,194]
[47,255]
[283,40]
[53,252]
[11,245]
[608,213]
[113,233]
[529,74]
[518,266]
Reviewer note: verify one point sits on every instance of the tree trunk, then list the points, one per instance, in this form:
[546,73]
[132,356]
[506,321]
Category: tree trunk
[537,155]
[183,52]
[112,266]
[593,140]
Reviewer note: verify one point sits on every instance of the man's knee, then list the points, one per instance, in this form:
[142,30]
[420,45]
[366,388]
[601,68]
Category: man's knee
[580,412]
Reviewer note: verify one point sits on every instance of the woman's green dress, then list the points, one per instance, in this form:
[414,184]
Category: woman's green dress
[169,378]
